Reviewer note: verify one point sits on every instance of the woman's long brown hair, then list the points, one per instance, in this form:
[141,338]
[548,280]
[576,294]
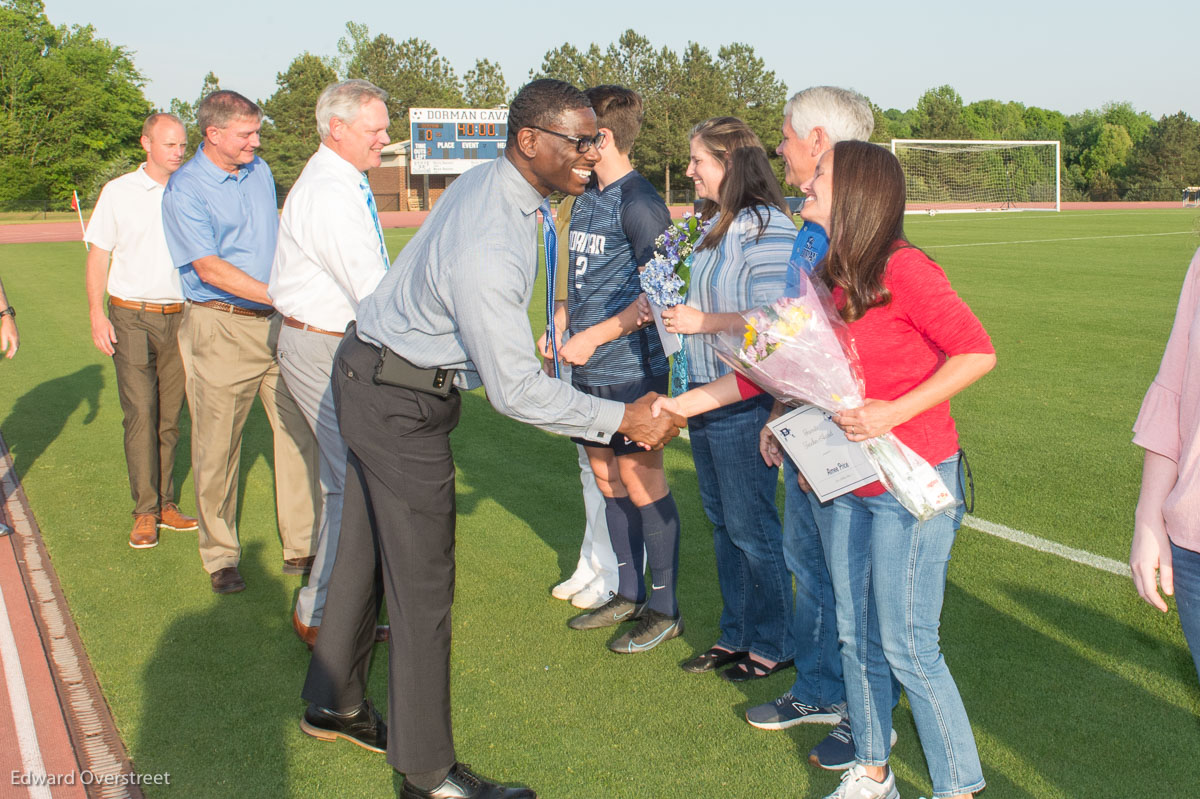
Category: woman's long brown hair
[866,222]
[748,181]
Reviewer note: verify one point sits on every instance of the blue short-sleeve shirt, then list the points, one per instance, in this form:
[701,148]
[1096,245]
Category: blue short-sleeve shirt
[811,245]
[208,211]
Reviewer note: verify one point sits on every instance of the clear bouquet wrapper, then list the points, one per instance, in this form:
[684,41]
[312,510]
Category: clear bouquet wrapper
[799,350]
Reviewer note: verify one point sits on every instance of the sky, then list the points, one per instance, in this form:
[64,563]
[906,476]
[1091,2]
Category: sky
[1065,56]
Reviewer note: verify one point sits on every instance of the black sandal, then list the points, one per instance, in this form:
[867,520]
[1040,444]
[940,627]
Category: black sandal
[751,669]
[712,660]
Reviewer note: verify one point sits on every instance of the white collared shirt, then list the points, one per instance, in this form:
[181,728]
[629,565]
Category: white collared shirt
[327,258]
[127,221]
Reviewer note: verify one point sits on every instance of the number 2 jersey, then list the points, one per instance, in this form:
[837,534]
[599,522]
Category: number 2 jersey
[612,233]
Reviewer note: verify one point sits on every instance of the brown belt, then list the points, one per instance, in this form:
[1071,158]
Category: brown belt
[151,307]
[260,313]
[296,323]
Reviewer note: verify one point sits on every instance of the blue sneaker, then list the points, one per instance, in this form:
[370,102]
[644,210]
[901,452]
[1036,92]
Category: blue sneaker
[787,711]
[836,751]
[651,630]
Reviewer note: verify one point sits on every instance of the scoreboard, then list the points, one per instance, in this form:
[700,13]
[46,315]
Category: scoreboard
[449,141]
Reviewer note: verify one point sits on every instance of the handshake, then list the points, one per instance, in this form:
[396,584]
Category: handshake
[648,423]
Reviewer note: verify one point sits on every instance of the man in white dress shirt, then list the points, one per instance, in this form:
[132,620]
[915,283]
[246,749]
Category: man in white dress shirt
[330,255]
[141,327]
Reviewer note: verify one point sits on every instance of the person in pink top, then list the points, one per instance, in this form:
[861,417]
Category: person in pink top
[1166,532]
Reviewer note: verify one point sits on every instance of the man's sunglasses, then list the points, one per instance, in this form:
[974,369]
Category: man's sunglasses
[582,143]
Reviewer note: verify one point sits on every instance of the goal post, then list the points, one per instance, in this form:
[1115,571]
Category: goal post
[966,176]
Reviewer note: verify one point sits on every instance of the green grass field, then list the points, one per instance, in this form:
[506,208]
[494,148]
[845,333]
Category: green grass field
[1074,686]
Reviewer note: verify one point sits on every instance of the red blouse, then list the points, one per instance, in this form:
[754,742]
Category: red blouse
[900,345]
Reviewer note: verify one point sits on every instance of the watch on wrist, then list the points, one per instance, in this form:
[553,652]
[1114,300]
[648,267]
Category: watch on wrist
[9,311]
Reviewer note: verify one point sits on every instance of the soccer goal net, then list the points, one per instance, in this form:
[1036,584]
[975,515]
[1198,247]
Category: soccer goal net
[948,176]
[1191,197]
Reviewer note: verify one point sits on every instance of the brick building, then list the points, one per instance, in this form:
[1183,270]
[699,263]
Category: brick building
[396,190]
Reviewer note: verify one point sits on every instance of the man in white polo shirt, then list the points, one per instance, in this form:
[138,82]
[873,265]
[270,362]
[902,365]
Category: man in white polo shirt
[330,255]
[139,331]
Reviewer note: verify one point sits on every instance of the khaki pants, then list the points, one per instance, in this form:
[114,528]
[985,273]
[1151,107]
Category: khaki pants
[229,359]
[150,385]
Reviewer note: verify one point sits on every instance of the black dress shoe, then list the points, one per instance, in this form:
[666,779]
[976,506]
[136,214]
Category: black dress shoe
[711,660]
[750,669]
[227,581]
[364,726]
[462,783]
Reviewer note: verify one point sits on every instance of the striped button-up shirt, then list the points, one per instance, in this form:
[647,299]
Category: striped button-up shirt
[742,272]
[458,297]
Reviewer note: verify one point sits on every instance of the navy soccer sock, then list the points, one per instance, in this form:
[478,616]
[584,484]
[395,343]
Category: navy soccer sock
[625,531]
[660,525]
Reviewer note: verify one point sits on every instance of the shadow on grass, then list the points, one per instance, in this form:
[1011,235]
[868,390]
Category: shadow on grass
[534,476]
[1059,708]
[530,473]
[40,414]
[220,692]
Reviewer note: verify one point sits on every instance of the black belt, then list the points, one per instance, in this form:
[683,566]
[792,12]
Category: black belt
[396,370]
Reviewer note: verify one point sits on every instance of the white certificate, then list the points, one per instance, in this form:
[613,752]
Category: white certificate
[670,341]
[830,463]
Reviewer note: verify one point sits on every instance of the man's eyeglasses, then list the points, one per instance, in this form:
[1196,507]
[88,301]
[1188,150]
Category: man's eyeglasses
[582,143]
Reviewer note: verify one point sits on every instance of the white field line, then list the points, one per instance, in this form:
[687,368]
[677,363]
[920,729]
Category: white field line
[1048,241]
[1032,541]
[18,697]
[1050,547]
[1004,216]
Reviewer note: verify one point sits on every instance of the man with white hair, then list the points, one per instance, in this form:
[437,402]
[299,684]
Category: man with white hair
[330,255]
[813,121]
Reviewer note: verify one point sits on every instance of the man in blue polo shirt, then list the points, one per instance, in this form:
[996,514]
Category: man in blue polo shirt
[220,219]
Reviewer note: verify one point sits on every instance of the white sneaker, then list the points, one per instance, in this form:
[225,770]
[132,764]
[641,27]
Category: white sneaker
[593,596]
[857,785]
[572,585]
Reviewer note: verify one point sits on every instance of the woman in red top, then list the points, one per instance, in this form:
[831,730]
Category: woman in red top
[919,345]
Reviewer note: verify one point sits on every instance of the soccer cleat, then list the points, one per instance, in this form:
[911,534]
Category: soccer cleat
[651,630]
[787,711]
[610,614]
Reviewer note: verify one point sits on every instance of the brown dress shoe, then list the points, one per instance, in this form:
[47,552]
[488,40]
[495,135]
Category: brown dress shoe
[170,517]
[227,581]
[309,634]
[298,565]
[145,531]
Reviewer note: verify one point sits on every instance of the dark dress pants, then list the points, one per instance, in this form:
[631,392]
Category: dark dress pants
[150,384]
[397,520]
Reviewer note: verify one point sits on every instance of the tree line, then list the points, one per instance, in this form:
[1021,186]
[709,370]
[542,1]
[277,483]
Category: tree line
[71,106]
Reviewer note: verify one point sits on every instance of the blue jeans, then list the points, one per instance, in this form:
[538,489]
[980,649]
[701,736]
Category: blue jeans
[1186,563]
[738,493]
[814,624]
[889,579]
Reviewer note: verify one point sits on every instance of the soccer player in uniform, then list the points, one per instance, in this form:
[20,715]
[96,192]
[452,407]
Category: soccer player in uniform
[614,225]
